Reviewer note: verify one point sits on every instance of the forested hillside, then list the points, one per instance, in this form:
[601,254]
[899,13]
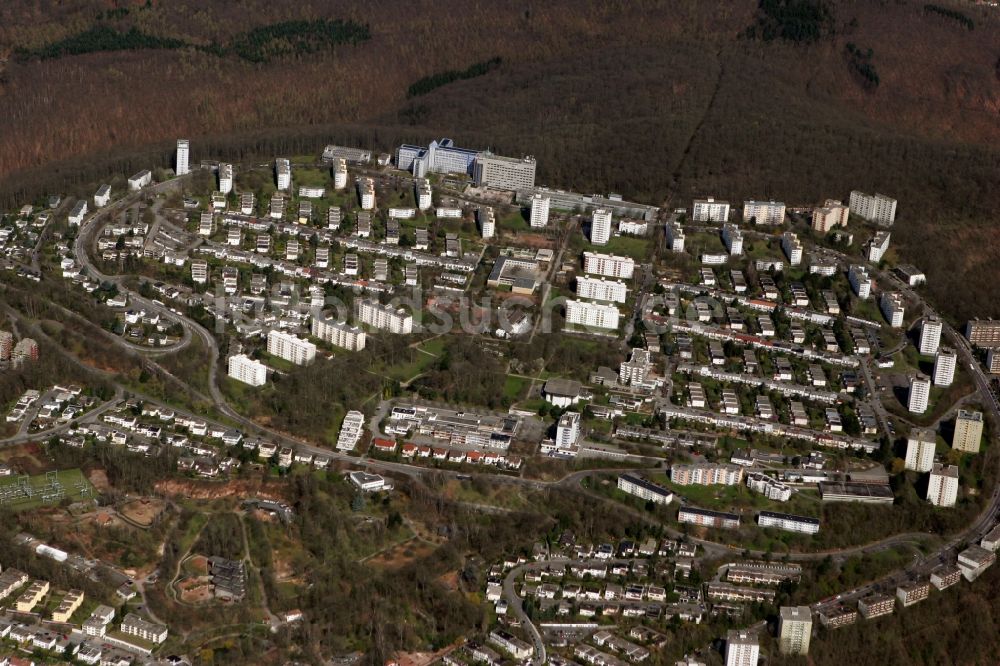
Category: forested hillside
[657,99]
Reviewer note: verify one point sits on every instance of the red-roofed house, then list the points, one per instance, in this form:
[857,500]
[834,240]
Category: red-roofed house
[384,445]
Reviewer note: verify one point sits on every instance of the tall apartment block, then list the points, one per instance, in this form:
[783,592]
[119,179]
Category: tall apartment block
[831,214]
[920,391]
[503,173]
[709,210]
[793,248]
[244,369]
[968,431]
[930,335]
[892,308]
[763,212]
[283,172]
[225,178]
[292,349]
[487,222]
[339,333]
[942,485]
[920,450]
[877,208]
[944,366]
[794,629]
[594,315]
[600,226]
[539,211]
[183,155]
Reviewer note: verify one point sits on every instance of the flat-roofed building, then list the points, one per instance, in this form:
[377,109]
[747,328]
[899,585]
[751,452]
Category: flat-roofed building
[942,485]
[983,332]
[384,317]
[69,604]
[920,446]
[919,395]
[945,363]
[709,210]
[539,211]
[930,335]
[351,430]
[788,522]
[945,576]
[291,348]
[860,281]
[912,593]
[831,214]
[600,226]
[792,247]
[707,518]
[877,208]
[644,489]
[503,173]
[30,597]
[339,333]
[763,212]
[244,369]
[974,560]
[763,573]
[225,178]
[876,605]
[878,246]
[794,629]
[968,433]
[601,289]
[838,617]
[594,315]
[844,491]
[608,265]
[133,625]
[742,648]
[706,475]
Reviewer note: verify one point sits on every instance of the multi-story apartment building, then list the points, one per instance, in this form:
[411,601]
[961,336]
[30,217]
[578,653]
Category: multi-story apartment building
[25,350]
[439,157]
[601,289]
[945,576]
[133,625]
[707,518]
[67,606]
[340,174]
[283,172]
[942,485]
[788,522]
[792,247]
[763,573]
[244,369]
[199,271]
[709,210]
[983,332]
[876,605]
[763,212]
[974,560]
[423,194]
[769,487]
[567,430]
[350,431]
[742,648]
[644,489]
[968,431]
[930,335]
[877,246]
[733,238]
[831,214]
[140,180]
[225,178]
[383,317]
[794,629]
[600,226]
[487,222]
[6,345]
[920,450]
[706,475]
[183,154]
[944,366]
[838,617]
[912,593]
[102,197]
[503,173]
[675,237]
[860,281]
[877,208]
[920,391]
[30,597]
[539,211]
[366,193]
[596,315]
[206,224]
[75,217]
[339,333]
[291,348]
[993,361]
[608,265]
[892,308]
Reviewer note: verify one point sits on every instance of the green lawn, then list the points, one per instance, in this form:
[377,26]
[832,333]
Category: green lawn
[39,491]
[515,387]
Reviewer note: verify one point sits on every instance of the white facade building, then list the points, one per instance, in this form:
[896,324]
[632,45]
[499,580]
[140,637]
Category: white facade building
[351,430]
[366,193]
[742,649]
[675,237]
[422,192]
[942,485]
[920,391]
[733,238]
[384,317]
[860,281]
[539,211]
[878,245]
[76,215]
[140,180]
[892,308]
[793,248]
[930,335]
[283,171]
[876,208]
[339,333]
[794,629]
[600,226]
[709,210]
[601,289]
[568,430]
[340,174]
[245,369]
[944,366]
[608,265]
[503,173]
[596,315]
[293,349]
[225,178]
[487,222]
[763,212]
[103,196]
[920,447]
[183,155]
